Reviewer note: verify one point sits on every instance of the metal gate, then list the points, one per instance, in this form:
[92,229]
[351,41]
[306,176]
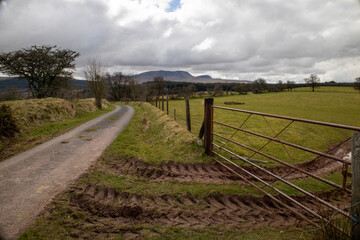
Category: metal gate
[217,145]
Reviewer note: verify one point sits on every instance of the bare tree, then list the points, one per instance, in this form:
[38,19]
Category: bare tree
[290,85]
[117,83]
[313,81]
[149,91]
[259,85]
[134,88]
[280,86]
[218,89]
[159,85]
[241,88]
[95,76]
[44,67]
[357,84]
[186,91]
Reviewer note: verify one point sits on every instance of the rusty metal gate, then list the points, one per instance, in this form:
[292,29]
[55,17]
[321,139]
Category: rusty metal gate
[224,149]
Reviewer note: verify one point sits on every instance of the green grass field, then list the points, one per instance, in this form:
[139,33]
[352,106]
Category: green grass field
[333,106]
[327,89]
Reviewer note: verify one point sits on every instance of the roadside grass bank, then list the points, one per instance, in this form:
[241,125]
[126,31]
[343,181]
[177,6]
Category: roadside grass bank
[328,106]
[40,120]
[116,199]
[154,137]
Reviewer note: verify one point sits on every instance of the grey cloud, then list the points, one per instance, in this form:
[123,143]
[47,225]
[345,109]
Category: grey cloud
[249,38]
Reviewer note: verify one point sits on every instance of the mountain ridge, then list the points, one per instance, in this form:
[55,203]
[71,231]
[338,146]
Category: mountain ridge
[182,76]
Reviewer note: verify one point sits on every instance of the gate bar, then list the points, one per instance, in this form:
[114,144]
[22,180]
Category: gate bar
[266,193]
[294,119]
[287,143]
[285,163]
[288,183]
[275,189]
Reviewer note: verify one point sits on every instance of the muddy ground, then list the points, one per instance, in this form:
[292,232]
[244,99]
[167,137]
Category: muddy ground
[215,173]
[104,212]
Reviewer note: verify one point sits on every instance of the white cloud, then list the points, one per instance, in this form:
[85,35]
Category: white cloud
[232,39]
[207,44]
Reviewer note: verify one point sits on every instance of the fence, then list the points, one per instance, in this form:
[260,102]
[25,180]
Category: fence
[241,166]
[159,103]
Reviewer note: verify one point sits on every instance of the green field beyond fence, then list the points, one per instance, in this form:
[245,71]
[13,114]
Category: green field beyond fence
[333,106]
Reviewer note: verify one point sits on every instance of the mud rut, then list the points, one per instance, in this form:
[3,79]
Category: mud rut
[108,211]
[215,173]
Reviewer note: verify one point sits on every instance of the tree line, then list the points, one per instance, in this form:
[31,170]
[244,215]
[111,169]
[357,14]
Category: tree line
[48,71]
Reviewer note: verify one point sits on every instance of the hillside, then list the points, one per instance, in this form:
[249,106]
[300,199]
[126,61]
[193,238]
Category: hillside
[21,83]
[181,76]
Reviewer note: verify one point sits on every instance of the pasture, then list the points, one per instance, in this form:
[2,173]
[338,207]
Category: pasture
[333,104]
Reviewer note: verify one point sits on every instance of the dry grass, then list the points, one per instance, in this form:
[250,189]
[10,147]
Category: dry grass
[33,113]
[40,120]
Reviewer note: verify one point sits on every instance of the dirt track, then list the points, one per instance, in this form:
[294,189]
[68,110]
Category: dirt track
[31,179]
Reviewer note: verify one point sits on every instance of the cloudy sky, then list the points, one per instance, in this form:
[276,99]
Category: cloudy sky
[233,39]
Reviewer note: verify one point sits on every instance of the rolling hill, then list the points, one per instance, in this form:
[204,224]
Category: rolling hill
[181,76]
[21,83]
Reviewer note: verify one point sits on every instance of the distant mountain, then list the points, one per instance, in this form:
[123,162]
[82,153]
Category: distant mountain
[174,76]
[204,76]
[12,82]
[181,76]
[177,76]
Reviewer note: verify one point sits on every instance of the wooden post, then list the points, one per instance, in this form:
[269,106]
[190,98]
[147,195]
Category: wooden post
[208,125]
[355,186]
[175,114]
[188,120]
[167,104]
[162,107]
[201,133]
[156,101]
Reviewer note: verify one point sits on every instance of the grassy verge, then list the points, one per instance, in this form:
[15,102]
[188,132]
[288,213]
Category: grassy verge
[39,135]
[155,137]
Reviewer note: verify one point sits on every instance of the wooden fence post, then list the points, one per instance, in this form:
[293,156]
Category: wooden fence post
[208,125]
[162,98]
[188,120]
[156,101]
[175,114]
[355,186]
[201,133]
[167,104]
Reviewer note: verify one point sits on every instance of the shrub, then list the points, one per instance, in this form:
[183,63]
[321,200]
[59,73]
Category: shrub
[8,126]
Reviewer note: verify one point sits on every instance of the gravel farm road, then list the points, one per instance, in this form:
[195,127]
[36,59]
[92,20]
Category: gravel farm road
[30,180]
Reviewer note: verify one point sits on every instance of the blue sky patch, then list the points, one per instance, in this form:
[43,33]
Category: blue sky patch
[174,4]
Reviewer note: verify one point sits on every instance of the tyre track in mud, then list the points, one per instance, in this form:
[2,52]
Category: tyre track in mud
[215,173]
[102,204]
